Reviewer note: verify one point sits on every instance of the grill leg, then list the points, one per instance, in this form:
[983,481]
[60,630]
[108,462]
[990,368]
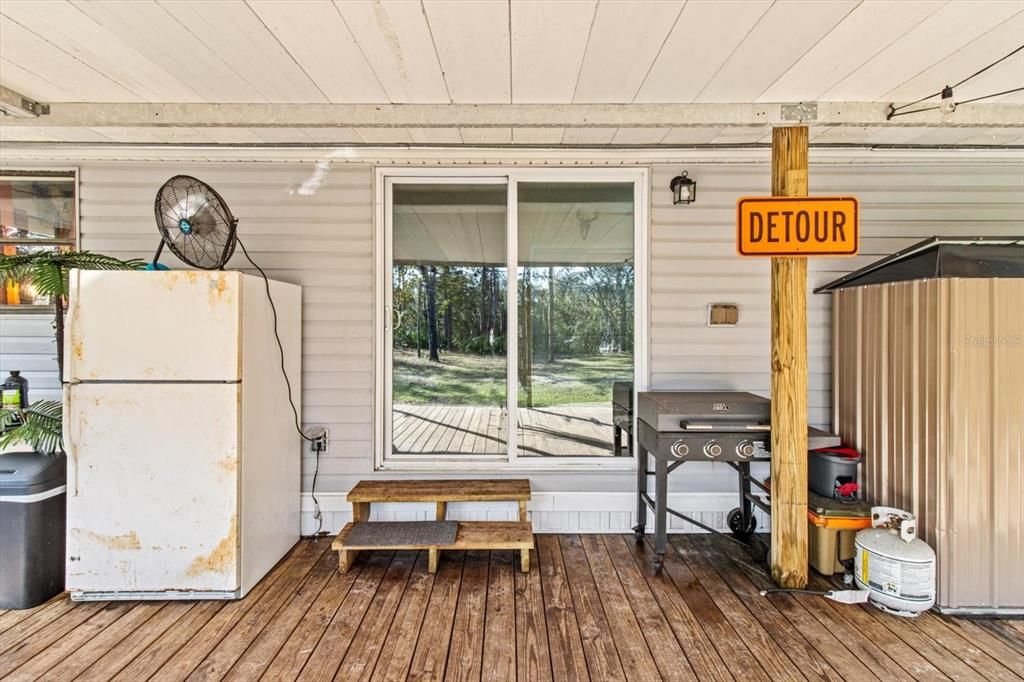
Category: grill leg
[748,509]
[617,441]
[641,488]
[660,511]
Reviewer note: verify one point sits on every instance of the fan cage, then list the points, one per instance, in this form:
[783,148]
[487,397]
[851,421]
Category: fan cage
[174,208]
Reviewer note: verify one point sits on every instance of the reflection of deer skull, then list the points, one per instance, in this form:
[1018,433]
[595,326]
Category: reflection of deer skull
[585,217]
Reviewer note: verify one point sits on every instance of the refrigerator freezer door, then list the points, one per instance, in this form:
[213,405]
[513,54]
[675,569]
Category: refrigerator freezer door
[152,487]
[153,326]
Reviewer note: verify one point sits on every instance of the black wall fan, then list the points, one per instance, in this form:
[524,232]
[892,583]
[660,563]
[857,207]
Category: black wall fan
[194,223]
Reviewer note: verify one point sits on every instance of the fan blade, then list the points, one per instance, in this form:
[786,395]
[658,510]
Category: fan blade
[206,221]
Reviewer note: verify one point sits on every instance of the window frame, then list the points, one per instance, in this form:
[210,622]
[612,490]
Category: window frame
[385,178]
[71,173]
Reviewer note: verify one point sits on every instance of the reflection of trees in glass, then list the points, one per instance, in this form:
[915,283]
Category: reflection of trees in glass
[590,313]
[451,308]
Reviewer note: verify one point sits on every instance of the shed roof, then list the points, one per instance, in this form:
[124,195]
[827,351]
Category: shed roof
[941,257]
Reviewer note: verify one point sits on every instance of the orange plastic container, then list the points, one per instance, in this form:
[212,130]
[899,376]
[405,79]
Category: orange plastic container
[832,526]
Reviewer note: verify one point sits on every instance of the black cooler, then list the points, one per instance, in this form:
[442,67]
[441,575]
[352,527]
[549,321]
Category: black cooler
[32,525]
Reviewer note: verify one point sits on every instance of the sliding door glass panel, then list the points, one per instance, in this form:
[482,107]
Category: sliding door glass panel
[575,304]
[449,282]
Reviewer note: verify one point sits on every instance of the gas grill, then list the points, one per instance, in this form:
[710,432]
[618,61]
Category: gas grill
[675,427]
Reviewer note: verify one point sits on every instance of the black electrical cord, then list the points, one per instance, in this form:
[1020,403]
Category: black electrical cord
[995,94]
[893,109]
[288,384]
[981,71]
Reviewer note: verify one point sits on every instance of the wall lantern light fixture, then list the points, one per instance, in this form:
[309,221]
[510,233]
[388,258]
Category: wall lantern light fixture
[684,190]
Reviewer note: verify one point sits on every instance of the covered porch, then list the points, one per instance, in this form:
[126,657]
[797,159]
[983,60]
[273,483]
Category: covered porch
[591,609]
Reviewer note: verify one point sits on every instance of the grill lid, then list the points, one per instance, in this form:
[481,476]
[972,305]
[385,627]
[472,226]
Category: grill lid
[704,411]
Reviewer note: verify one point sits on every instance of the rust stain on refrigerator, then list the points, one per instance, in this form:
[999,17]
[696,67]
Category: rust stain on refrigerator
[221,558]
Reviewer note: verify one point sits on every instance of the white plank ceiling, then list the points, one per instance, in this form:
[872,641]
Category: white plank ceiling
[501,52]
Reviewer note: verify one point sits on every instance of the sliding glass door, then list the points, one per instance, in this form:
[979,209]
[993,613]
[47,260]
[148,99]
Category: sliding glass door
[448,324]
[575,314]
[474,345]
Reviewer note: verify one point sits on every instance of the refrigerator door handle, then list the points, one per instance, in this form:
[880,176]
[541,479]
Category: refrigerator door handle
[69,441]
[71,326]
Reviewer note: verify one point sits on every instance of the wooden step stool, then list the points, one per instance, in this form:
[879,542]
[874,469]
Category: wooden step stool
[515,535]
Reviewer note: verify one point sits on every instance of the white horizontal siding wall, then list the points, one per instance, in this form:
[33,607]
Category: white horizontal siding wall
[694,261]
[27,343]
[323,241]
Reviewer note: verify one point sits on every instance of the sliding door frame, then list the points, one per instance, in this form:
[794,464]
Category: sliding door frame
[385,179]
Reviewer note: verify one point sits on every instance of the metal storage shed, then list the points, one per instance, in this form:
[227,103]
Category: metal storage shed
[928,379]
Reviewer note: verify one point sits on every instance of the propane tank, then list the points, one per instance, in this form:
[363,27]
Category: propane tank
[896,567]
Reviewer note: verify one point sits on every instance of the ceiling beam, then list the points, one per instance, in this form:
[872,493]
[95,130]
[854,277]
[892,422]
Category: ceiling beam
[71,153]
[855,114]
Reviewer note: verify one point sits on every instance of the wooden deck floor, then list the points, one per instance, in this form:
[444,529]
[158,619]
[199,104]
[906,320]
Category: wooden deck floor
[571,430]
[591,609]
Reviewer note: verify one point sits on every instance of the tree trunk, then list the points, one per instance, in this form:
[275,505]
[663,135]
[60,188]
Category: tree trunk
[484,298]
[430,277]
[551,314]
[526,337]
[449,328]
[419,316]
[625,338]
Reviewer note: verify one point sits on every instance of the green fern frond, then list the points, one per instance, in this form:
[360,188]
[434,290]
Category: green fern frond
[86,260]
[48,270]
[40,428]
[47,279]
[9,419]
[10,264]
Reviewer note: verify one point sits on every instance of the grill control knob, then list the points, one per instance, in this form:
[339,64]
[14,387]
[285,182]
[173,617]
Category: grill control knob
[745,449]
[712,449]
[680,449]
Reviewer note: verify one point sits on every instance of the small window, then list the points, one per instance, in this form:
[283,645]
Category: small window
[37,213]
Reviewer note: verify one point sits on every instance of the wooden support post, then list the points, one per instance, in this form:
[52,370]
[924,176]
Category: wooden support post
[346,557]
[524,554]
[434,555]
[789,377]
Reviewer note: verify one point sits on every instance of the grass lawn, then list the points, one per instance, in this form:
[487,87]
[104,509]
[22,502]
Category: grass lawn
[463,379]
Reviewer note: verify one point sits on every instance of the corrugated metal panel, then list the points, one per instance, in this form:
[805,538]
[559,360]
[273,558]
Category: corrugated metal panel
[324,242]
[930,386]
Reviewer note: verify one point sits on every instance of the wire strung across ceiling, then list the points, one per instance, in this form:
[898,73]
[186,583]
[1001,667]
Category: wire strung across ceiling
[947,93]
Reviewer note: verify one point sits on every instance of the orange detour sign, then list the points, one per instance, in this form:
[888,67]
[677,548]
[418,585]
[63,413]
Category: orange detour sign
[797,226]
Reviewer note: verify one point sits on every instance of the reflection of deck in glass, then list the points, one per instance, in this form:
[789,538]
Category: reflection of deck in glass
[578,430]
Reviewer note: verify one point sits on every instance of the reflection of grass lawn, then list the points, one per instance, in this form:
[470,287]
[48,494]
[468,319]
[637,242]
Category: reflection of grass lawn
[463,379]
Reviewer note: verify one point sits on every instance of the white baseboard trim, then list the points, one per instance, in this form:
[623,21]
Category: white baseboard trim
[569,512]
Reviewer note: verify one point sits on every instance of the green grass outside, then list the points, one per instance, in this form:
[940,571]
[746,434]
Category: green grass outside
[464,379]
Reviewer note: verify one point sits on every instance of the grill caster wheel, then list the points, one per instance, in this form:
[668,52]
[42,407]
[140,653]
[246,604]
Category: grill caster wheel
[659,563]
[735,521]
[638,532]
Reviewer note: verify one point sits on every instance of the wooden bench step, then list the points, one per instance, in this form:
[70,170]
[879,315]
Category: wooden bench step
[515,535]
[472,490]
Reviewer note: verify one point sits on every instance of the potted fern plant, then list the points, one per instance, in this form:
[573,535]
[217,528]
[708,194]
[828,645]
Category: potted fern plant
[39,425]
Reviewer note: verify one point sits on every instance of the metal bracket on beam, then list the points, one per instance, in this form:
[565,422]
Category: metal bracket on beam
[804,111]
[15,104]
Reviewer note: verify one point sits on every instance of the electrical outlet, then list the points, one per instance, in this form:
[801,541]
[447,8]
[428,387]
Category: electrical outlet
[321,442]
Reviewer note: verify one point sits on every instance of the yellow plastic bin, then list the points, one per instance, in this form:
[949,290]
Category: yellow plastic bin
[832,525]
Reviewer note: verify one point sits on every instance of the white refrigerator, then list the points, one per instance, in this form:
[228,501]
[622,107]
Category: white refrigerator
[183,458]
